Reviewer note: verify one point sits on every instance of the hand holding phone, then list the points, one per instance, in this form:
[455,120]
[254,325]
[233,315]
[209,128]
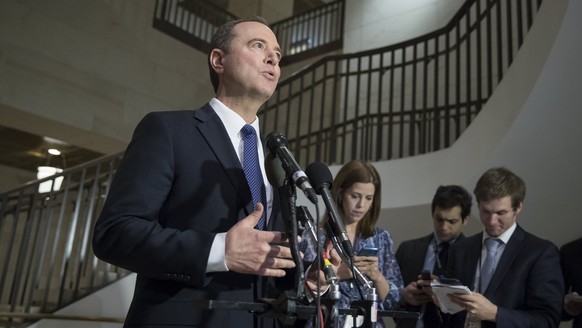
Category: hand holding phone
[368,251]
[425,275]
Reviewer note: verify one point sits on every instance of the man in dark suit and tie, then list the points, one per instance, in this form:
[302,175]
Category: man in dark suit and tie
[451,206]
[515,276]
[182,211]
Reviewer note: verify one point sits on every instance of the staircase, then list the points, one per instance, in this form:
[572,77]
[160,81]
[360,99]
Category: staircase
[46,261]
[402,100]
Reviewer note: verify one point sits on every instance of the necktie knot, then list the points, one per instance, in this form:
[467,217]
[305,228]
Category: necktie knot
[248,131]
[492,245]
[444,246]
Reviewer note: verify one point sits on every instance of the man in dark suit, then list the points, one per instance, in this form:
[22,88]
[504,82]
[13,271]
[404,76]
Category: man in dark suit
[451,206]
[515,276]
[571,262]
[180,212]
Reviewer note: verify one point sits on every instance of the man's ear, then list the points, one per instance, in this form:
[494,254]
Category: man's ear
[466,220]
[216,58]
[519,208]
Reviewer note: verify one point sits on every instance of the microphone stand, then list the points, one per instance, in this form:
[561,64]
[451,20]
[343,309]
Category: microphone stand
[288,306]
[288,200]
[360,278]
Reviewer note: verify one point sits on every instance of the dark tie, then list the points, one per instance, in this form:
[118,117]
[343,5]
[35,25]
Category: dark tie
[443,256]
[431,316]
[252,170]
[492,245]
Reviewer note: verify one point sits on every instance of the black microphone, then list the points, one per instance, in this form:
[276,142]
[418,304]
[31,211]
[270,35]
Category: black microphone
[322,179]
[274,169]
[277,145]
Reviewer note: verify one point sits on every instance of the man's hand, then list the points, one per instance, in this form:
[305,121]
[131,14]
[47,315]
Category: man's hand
[253,251]
[344,271]
[415,295]
[573,308]
[476,304]
[314,275]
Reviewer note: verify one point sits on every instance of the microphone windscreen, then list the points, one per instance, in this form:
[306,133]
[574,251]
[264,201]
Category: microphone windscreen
[318,174]
[274,169]
[275,140]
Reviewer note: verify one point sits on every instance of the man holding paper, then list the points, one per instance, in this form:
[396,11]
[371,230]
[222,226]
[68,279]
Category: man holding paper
[515,276]
[450,209]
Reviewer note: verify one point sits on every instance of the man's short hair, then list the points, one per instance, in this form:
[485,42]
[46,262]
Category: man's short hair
[450,196]
[499,182]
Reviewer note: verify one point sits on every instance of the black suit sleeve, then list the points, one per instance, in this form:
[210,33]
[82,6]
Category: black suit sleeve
[130,231]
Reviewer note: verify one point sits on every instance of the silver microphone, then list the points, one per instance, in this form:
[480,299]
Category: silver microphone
[358,275]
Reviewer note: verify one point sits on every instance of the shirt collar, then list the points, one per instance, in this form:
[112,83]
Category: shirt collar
[504,237]
[231,120]
[438,241]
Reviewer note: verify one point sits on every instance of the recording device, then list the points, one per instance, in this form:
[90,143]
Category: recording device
[277,145]
[322,179]
[368,251]
[330,276]
[304,217]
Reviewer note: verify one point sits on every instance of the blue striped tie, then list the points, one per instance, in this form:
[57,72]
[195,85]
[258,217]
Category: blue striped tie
[252,170]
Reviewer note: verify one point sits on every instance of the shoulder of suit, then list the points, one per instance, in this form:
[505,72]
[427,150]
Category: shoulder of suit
[425,239]
[476,238]
[203,113]
[574,246]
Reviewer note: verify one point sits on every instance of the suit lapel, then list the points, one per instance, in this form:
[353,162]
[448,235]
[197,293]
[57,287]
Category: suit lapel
[213,131]
[509,255]
[468,263]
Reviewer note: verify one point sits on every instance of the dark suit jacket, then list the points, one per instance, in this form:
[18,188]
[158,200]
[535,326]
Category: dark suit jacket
[571,262]
[180,182]
[527,285]
[410,256]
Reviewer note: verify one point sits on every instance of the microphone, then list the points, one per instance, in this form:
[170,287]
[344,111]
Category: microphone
[321,177]
[274,170]
[277,145]
[319,174]
[277,178]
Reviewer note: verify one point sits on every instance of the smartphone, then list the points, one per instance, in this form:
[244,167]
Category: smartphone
[368,251]
[424,275]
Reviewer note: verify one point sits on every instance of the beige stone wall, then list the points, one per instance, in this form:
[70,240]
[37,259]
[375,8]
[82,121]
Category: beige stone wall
[86,71]
[271,10]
